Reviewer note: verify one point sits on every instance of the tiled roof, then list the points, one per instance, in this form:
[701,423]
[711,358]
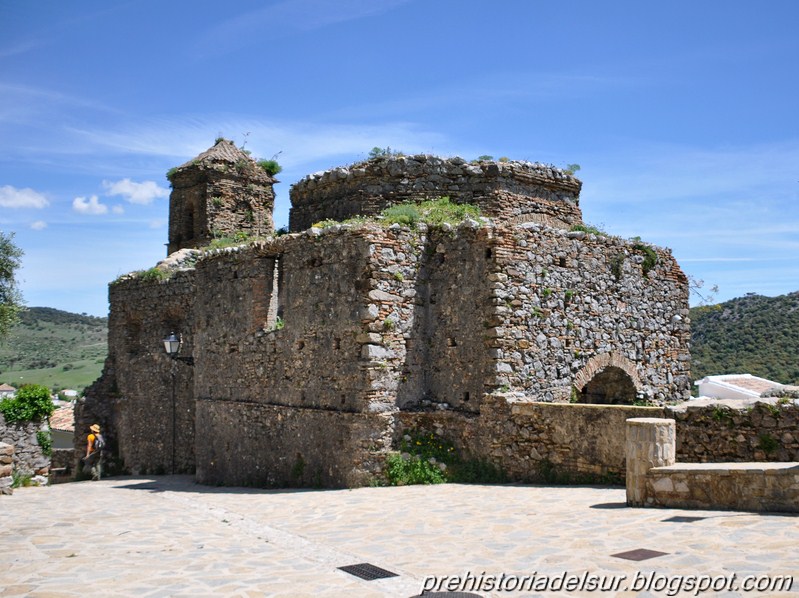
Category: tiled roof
[63,418]
[7,388]
[222,151]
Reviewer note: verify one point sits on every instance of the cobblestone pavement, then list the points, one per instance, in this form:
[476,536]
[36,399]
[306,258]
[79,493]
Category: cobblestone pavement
[167,536]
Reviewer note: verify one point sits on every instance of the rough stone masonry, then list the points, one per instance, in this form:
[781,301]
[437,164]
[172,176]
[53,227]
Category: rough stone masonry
[305,355]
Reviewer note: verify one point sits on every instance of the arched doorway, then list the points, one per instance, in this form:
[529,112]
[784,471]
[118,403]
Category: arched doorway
[611,386]
[607,379]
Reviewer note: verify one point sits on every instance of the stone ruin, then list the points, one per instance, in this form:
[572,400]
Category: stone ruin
[305,355]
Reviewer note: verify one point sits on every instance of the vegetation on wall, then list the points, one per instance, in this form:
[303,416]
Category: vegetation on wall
[749,335]
[434,212]
[270,167]
[383,152]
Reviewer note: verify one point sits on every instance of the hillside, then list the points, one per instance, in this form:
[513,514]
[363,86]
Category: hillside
[56,348]
[752,334]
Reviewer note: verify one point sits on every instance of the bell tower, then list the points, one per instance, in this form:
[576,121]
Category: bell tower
[221,192]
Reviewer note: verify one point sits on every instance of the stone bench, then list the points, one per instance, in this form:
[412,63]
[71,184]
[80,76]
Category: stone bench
[655,480]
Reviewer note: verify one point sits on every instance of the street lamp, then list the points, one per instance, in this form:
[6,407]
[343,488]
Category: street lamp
[172,345]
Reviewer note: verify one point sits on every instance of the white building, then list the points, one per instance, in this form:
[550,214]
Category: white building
[735,386]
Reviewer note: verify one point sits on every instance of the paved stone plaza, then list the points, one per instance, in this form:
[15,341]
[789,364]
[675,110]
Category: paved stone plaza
[168,536]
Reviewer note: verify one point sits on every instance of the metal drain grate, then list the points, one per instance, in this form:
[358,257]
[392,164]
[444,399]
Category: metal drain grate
[639,554]
[683,519]
[367,571]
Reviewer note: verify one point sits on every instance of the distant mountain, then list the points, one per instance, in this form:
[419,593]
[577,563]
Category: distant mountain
[750,335]
[56,348]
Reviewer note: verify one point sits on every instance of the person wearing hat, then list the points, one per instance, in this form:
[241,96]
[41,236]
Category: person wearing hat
[93,461]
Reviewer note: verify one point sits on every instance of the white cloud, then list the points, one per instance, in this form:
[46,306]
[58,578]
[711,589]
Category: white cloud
[285,18]
[89,206]
[138,193]
[118,209]
[157,223]
[301,142]
[39,225]
[11,197]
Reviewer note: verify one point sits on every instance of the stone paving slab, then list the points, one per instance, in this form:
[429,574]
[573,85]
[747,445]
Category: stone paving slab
[167,536]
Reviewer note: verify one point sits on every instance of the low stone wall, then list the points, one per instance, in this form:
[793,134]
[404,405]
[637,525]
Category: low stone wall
[715,431]
[541,441]
[534,442]
[62,465]
[739,486]
[28,456]
[6,467]
[655,480]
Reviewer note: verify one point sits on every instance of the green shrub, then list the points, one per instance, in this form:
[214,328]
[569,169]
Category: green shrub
[427,458]
[154,275]
[270,167]
[21,480]
[405,213]
[222,241]
[442,210]
[32,402]
[386,152]
[590,229]
[403,471]
[650,257]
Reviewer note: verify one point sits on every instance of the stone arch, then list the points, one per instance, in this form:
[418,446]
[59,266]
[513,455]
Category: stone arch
[608,378]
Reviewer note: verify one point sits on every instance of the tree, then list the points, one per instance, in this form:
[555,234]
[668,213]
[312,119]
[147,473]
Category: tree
[10,297]
[31,402]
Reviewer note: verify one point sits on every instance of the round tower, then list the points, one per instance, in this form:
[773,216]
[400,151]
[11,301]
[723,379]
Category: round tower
[512,191]
[221,192]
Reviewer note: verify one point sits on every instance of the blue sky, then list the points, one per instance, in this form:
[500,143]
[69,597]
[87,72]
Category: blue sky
[683,116]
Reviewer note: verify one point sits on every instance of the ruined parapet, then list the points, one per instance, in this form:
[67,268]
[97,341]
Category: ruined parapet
[512,191]
[223,191]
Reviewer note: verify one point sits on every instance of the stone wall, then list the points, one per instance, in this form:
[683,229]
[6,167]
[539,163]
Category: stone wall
[62,465]
[28,456]
[143,395]
[765,431]
[566,304]
[736,486]
[252,444]
[505,191]
[534,442]
[654,479]
[376,320]
[6,468]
